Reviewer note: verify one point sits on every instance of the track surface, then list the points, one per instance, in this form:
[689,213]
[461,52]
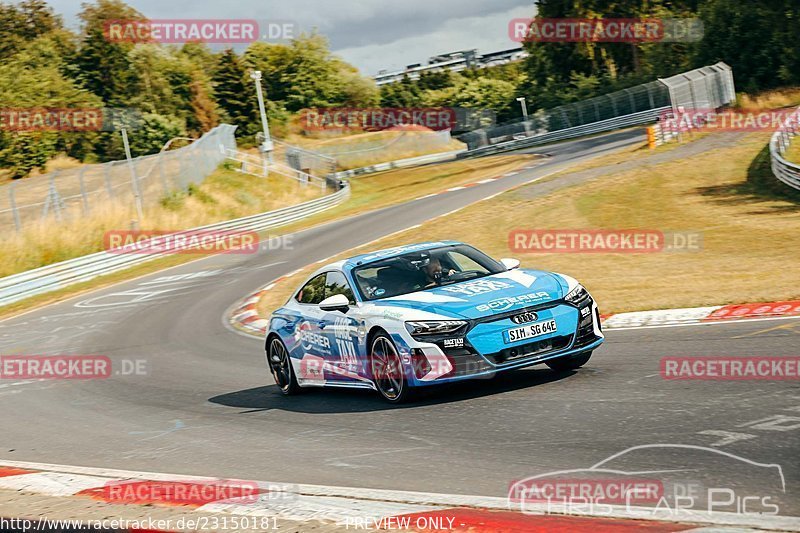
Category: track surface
[207,405]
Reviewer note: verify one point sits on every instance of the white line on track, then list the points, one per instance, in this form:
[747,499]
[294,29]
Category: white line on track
[87,477]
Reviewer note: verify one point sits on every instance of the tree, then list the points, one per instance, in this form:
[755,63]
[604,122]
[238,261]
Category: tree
[235,96]
[103,66]
[24,23]
[39,64]
[757,39]
[405,93]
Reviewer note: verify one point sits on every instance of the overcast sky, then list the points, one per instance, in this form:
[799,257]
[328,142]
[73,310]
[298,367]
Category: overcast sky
[371,34]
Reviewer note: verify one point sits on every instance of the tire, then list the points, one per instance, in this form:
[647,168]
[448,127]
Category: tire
[387,372]
[570,362]
[281,367]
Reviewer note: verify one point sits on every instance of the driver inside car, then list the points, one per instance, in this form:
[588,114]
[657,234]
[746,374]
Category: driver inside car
[434,273]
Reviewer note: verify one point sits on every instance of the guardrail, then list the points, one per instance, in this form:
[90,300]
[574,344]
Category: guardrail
[400,163]
[786,171]
[60,275]
[254,165]
[634,119]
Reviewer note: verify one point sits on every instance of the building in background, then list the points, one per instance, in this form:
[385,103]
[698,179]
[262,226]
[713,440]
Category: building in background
[454,62]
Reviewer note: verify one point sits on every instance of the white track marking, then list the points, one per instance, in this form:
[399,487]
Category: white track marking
[329,502]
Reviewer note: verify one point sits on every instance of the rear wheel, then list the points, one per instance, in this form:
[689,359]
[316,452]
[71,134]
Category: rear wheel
[387,370]
[572,362]
[281,367]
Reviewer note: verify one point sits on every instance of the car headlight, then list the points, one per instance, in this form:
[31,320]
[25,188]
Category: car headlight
[434,327]
[577,295]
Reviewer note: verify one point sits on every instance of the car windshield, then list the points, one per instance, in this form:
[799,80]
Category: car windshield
[422,270]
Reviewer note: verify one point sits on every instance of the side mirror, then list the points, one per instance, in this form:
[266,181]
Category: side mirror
[337,302]
[509,263]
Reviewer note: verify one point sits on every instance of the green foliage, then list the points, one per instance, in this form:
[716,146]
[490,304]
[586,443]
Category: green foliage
[186,90]
[154,132]
[174,200]
[197,192]
[760,40]
[483,93]
[25,22]
[235,95]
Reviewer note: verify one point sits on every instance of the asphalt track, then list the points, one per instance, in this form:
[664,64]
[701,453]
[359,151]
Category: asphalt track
[207,405]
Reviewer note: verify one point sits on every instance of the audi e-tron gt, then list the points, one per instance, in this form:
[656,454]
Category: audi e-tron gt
[425,314]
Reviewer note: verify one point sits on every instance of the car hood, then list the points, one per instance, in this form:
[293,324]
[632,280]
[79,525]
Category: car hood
[498,293]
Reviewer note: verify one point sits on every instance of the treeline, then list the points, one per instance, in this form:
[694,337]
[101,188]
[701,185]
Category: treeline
[186,90]
[759,39]
[178,90]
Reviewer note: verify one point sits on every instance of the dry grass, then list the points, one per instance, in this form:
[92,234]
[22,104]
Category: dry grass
[770,99]
[367,195]
[749,231]
[793,152]
[364,149]
[224,195]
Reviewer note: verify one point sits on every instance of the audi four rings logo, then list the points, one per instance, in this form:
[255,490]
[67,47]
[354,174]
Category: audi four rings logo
[523,318]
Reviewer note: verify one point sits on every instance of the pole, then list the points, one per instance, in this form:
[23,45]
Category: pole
[524,107]
[266,146]
[137,195]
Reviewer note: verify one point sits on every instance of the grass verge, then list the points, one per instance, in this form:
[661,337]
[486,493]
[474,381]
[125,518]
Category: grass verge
[383,189]
[374,191]
[749,224]
[793,152]
[224,195]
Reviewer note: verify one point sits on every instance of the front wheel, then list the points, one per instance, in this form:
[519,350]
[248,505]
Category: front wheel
[387,370]
[572,362]
[281,367]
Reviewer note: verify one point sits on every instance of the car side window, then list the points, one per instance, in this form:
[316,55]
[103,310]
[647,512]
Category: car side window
[312,292]
[336,283]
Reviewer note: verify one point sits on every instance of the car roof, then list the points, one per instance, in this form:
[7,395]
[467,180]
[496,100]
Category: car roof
[363,259]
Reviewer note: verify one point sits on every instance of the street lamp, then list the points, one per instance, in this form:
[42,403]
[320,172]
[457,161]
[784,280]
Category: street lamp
[267,146]
[524,107]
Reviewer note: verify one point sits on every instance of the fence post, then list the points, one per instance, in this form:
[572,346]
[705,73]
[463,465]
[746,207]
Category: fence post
[107,179]
[161,176]
[84,198]
[12,202]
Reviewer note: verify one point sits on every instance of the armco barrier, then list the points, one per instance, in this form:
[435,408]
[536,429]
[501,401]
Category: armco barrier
[59,275]
[786,171]
[634,119]
[400,163]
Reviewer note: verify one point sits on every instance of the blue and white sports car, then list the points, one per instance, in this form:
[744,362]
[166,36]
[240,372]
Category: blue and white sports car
[424,314]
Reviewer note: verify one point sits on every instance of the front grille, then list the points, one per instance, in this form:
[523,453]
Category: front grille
[530,349]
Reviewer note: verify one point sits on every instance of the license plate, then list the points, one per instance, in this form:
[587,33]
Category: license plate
[530,330]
